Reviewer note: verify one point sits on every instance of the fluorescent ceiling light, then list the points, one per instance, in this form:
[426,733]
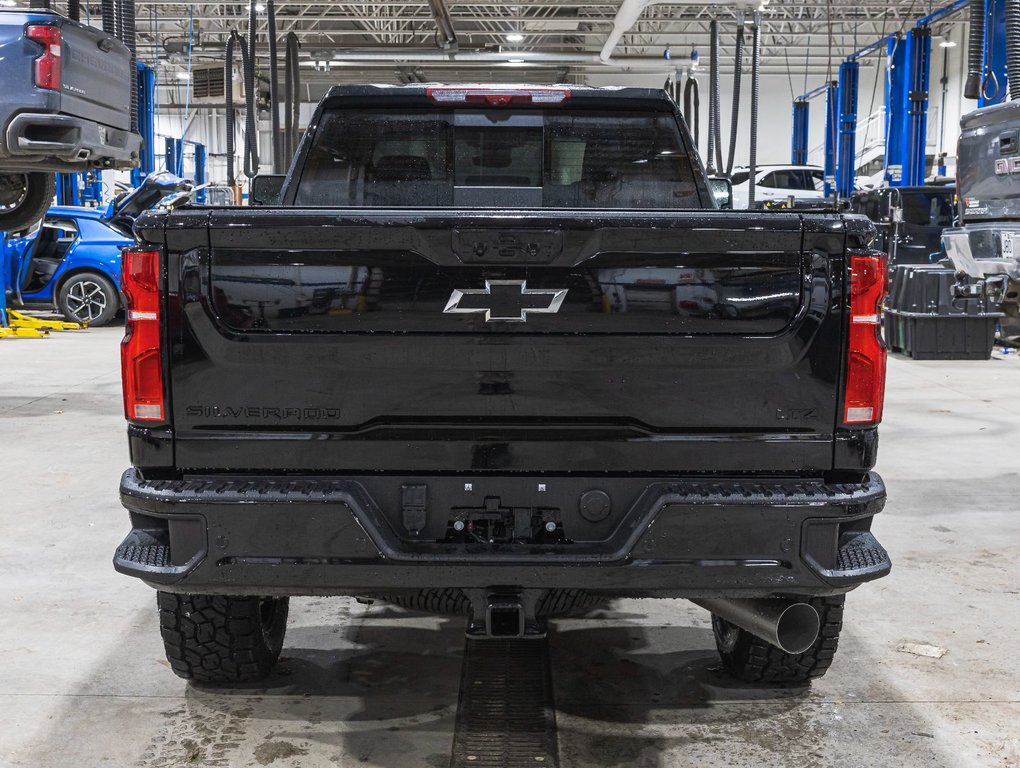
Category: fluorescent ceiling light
[7,3]
[515,61]
[515,37]
[947,44]
[553,25]
[259,8]
[183,76]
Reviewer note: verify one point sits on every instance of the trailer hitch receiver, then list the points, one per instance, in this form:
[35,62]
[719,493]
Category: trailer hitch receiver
[505,614]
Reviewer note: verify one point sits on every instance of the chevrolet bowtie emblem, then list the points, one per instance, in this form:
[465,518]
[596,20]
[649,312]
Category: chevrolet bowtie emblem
[508,301]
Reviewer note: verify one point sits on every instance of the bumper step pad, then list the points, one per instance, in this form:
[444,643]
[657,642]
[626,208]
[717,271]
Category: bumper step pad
[506,717]
[149,555]
[860,552]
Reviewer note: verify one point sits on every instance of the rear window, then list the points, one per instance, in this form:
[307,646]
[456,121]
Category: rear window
[789,179]
[504,158]
[928,209]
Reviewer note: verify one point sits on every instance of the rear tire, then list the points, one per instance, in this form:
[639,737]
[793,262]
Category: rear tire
[752,660]
[24,199]
[89,298]
[221,639]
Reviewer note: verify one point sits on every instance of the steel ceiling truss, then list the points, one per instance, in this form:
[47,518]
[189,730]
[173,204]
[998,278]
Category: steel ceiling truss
[796,33]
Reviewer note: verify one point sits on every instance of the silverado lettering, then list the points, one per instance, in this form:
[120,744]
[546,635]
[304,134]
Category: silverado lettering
[261,412]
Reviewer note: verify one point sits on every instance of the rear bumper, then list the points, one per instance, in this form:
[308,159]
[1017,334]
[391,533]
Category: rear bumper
[683,538]
[52,142]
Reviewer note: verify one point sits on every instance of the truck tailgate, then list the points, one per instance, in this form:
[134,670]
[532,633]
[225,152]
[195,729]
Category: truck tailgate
[538,341]
[96,80]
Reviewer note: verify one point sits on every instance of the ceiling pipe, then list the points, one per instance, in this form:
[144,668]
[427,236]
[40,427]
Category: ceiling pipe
[400,56]
[446,35]
[631,10]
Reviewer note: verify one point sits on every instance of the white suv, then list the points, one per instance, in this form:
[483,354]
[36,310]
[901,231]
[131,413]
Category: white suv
[779,182]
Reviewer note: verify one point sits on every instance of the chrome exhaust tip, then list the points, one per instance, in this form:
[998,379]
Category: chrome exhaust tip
[790,626]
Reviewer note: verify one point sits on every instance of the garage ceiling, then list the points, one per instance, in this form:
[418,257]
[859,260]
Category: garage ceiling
[560,40]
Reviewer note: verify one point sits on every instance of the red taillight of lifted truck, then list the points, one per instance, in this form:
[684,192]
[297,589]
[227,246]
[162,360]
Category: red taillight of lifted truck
[140,363]
[47,66]
[865,370]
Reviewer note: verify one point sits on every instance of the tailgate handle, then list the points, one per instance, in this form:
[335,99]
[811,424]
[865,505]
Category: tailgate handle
[1008,142]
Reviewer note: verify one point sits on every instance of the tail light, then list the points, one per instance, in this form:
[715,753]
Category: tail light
[865,370]
[47,66]
[497,97]
[140,361]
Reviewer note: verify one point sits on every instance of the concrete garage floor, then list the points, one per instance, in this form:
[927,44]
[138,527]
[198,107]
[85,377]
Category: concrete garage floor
[83,681]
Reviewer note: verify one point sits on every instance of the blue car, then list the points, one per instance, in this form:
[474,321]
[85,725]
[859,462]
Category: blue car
[72,262]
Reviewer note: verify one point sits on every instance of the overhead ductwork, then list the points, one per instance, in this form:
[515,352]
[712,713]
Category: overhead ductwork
[631,10]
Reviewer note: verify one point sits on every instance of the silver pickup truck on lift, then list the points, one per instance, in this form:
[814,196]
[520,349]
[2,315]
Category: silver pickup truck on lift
[986,245]
[65,106]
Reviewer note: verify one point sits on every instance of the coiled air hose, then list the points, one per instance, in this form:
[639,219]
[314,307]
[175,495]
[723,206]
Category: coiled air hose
[109,11]
[291,97]
[692,109]
[1013,47]
[274,92]
[251,138]
[127,19]
[235,40]
[975,49]
[714,151]
[755,88]
[738,65]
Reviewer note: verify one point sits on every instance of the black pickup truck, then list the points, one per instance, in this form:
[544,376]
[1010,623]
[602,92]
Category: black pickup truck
[497,353]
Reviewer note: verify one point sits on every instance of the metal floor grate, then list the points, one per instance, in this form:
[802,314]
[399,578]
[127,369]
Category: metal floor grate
[505,717]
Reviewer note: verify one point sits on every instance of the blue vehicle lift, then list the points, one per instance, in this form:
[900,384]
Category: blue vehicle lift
[846,101]
[801,115]
[175,162]
[801,121]
[831,137]
[146,86]
[906,100]
[84,188]
[993,59]
[799,151]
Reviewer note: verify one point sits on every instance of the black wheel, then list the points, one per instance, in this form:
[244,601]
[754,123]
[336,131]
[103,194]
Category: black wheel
[220,639]
[752,660]
[88,298]
[24,198]
[555,602]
